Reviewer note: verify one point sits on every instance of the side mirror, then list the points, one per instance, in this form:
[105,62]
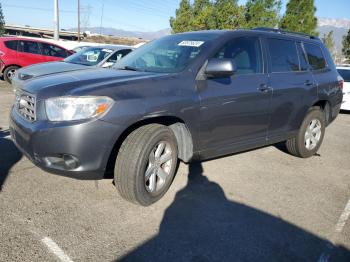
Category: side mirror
[220,68]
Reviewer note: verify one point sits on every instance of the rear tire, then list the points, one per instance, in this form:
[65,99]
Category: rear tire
[310,135]
[141,174]
[9,73]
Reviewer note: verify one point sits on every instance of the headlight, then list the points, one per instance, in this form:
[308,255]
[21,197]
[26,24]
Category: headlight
[76,108]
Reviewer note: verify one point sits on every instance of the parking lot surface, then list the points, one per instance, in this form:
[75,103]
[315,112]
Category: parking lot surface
[261,205]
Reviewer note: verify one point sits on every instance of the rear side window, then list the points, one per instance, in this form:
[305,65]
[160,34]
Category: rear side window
[283,55]
[29,47]
[246,54]
[11,44]
[315,56]
[345,74]
[53,50]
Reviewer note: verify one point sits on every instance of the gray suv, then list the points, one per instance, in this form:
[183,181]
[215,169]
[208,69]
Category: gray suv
[196,95]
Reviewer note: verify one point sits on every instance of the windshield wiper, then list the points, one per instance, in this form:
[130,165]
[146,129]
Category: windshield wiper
[128,68]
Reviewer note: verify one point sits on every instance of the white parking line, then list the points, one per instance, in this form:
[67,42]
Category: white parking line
[338,229]
[343,218]
[55,249]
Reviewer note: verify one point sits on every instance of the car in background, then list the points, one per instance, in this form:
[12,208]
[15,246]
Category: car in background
[17,52]
[99,56]
[344,71]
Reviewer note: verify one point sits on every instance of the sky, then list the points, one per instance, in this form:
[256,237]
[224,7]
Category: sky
[133,15]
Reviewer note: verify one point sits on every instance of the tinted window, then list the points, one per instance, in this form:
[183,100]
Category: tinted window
[11,45]
[283,55]
[302,58]
[345,74]
[29,47]
[315,56]
[246,54]
[53,50]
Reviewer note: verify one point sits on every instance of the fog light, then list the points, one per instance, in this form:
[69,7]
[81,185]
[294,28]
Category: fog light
[63,161]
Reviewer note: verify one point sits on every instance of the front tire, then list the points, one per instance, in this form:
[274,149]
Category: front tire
[9,73]
[310,135]
[146,164]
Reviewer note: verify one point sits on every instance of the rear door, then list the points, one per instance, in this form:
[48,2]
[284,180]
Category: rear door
[53,52]
[29,52]
[292,84]
[234,110]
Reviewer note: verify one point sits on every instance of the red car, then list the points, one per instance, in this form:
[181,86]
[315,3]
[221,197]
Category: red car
[16,52]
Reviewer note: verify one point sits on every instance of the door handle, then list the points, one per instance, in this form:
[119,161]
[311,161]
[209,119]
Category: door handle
[264,88]
[308,83]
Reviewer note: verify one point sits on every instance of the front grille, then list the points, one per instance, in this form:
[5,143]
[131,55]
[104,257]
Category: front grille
[25,105]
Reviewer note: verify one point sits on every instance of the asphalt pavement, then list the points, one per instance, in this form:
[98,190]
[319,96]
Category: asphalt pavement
[260,205]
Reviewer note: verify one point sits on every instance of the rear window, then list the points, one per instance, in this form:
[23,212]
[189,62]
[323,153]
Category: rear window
[315,56]
[11,44]
[345,74]
[283,55]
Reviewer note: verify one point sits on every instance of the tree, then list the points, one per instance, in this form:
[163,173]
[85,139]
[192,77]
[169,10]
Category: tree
[262,13]
[2,21]
[346,46]
[203,12]
[328,40]
[183,19]
[228,14]
[300,17]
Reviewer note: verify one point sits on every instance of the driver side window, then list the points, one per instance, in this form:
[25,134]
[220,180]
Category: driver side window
[245,52]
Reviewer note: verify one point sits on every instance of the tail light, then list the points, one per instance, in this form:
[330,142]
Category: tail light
[340,82]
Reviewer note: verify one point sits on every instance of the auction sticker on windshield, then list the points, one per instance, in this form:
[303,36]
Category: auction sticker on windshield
[191,43]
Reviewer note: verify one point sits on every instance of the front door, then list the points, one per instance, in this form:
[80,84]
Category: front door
[234,111]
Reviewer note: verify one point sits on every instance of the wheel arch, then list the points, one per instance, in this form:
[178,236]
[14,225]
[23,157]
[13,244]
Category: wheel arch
[7,66]
[181,131]
[326,108]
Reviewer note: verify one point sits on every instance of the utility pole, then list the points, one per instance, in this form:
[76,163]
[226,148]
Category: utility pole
[56,21]
[78,20]
[103,4]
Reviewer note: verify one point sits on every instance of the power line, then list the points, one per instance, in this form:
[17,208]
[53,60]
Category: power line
[37,8]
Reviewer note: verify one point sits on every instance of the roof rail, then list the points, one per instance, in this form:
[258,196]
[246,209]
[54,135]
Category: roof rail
[280,31]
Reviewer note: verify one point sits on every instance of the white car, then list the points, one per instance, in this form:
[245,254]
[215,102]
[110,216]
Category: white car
[344,71]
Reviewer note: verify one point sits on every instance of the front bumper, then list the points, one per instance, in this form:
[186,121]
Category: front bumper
[83,147]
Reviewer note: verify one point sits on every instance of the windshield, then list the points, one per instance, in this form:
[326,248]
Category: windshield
[89,56]
[345,73]
[169,54]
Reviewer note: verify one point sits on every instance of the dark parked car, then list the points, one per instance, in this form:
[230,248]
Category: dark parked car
[101,56]
[17,52]
[196,95]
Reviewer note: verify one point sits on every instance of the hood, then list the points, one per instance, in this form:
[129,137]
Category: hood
[44,69]
[81,82]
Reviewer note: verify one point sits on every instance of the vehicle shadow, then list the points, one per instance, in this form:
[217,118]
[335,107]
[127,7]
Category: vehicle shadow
[9,156]
[345,112]
[203,225]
